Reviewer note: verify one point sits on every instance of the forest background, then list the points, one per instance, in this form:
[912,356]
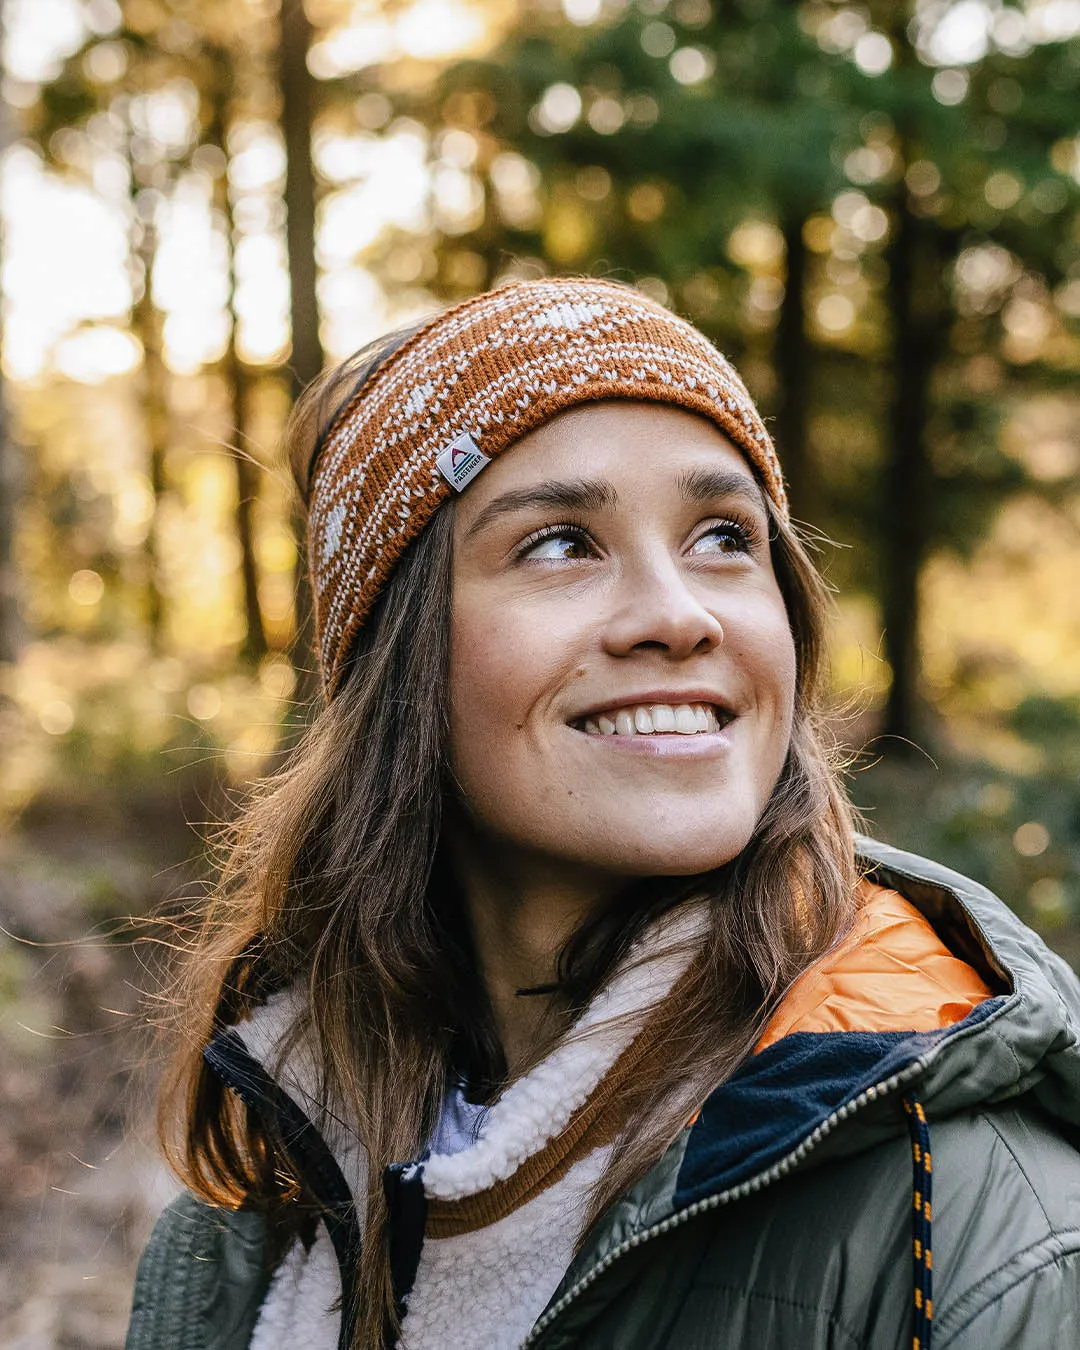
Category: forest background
[873,208]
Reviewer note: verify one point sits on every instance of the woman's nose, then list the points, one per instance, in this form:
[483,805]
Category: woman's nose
[655,607]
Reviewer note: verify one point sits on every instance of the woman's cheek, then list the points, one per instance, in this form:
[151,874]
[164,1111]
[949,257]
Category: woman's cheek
[489,678]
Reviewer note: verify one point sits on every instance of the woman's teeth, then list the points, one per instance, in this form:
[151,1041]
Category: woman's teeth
[647,719]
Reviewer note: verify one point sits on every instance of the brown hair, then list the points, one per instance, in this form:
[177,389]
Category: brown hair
[332,881]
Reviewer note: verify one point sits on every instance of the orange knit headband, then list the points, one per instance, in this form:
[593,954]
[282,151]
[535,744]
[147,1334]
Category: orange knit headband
[469,384]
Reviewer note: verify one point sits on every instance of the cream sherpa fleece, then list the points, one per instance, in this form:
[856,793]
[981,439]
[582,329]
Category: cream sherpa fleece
[482,1289]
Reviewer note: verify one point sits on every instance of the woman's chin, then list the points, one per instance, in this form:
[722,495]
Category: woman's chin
[646,849]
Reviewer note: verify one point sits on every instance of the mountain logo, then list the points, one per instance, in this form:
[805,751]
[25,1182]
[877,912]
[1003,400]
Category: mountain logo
[460,461]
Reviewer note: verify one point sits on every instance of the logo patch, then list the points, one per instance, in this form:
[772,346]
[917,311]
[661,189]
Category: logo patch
[461,461]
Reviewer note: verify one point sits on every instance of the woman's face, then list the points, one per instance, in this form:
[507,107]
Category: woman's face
[622,668]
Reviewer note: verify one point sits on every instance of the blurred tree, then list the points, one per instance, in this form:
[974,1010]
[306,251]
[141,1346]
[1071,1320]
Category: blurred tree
[237,376]
[146,323]
[68,104]
[297,113]
[915,294]
[189,40]
[752,163]
[655,138]
[10,626]
[953,158]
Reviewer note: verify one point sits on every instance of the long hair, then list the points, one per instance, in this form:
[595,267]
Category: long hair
[332,882]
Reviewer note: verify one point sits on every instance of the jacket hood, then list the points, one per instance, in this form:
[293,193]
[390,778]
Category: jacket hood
[834,1088]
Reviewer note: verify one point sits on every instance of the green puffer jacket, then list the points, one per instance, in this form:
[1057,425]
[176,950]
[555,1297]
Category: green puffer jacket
[782,1219]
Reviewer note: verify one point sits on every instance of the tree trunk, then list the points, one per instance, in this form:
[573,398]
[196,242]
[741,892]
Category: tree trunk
[247,492]
[297,108]
[917,305]
[10,622]
[792,361]
[10,475]
[297,101]
[146,323]
[239,383]
[916,300]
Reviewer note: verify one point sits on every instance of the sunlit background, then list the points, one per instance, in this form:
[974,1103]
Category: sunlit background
[874,208]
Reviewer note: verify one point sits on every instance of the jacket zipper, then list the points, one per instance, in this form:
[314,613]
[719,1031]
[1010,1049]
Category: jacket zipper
[745,1188]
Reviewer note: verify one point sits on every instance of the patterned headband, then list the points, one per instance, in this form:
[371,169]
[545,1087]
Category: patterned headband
[469,384]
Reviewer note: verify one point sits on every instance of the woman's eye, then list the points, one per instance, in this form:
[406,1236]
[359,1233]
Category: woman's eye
[562,546]
[723,539]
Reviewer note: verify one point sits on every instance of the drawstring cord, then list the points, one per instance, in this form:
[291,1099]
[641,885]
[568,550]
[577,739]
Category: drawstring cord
[922,1172]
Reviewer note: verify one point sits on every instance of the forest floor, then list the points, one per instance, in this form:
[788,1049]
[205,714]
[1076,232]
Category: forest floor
[83,1181]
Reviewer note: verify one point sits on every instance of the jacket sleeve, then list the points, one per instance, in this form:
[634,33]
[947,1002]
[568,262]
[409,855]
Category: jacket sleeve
[1031,1303]
[201,1280]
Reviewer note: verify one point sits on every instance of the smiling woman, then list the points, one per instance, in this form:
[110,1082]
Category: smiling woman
[547,996]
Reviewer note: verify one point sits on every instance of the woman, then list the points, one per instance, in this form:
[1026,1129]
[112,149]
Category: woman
[547,997]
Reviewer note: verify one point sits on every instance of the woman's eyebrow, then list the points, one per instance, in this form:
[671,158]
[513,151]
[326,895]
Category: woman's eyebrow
[702,485]
[576,494]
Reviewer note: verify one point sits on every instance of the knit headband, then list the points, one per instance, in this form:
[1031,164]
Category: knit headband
[469,384]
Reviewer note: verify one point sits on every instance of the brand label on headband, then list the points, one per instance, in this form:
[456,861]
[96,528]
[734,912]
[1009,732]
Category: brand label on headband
[461,461]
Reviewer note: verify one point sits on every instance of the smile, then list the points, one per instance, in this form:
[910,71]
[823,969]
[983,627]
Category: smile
[657,719]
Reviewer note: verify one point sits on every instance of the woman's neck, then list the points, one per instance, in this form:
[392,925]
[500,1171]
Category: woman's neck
[521,911]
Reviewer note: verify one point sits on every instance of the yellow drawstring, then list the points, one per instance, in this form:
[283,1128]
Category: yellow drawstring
[922,1170]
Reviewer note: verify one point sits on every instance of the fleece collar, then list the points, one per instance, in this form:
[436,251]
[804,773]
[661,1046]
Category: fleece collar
[537,1153]
[542,1105]
[273,1069]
